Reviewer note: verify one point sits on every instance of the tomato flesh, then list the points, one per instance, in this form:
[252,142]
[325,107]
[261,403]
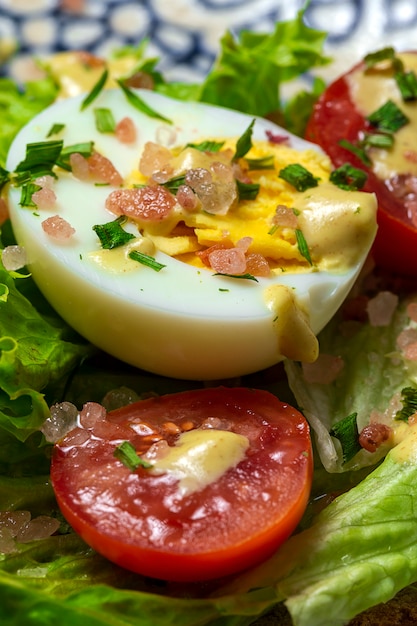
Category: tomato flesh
[334,118]
[138,520]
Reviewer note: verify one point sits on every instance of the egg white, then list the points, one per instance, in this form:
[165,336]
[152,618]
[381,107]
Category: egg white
[181,322]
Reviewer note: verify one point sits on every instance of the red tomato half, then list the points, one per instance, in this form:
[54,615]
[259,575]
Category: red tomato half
[138,520]
[334,118]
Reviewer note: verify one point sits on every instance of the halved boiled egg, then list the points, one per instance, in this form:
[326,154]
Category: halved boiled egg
[151,298]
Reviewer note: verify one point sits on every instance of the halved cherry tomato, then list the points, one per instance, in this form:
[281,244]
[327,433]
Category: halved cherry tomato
[140,520]
[335,117]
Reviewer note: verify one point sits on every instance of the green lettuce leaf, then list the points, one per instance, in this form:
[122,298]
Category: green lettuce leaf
[360,551]
[19,105]
[250,70]
[373,373]
[37,350]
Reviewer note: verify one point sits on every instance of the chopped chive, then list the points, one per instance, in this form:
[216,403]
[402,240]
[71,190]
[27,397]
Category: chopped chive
[407,84]
[388,117]
[346,431]
[247,191]
[207,146]
[146,259]
[348,177]
[409,401]
[298,176]
[302,245]
[126,454]
[244,143]
[4,177]
[385,54]
[111,234]
[273,229]
[378,140]
[173,184]
[140,104]
[263,163]
[245,276]
[105,122]
[40,158]
[358,151]
[27,191]
[85,149]
[55,129]
[95,91]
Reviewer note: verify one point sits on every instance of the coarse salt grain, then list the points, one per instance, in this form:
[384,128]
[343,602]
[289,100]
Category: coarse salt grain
[58,228]
[324,370]
[63,418]
[381,308]
[13,258]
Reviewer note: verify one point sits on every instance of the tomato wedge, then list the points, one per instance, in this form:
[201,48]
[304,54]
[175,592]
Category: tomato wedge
[228,520]
[336,117]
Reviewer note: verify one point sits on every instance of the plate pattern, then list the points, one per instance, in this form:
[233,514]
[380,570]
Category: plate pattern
[185,33]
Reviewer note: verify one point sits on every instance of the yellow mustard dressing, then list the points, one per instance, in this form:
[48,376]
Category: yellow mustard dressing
[200,457]
[369,91]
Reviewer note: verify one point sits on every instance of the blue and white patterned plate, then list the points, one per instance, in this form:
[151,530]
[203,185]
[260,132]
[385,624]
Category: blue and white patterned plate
[185,33]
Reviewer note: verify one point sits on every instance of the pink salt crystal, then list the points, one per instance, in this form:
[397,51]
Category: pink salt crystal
[410,352]
[406,337]
[381,308]
[14,521]
[154,158]
[44,198]
[228,261]
[187,199]
[58,228]
[91,413]
[126,130]
[412,311]
[38,528]
[257,265]
[324,370]
[79,166]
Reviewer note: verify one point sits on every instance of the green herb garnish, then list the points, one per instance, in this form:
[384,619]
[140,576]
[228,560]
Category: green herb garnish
[173,184]
[388,117]
[105,122]
[111,234]
[95,91]
[247,191]
[244,143]
[55,129]
[85,149]
[246,276]
[357,150]
[298,176]
[40,158]
[146,259]
[28,189]
[374,58]
[263,163]
[407,84]
[302,245]
[4,177]
[126,454]
[409,400]
[140,104]
[346,431]
[207,146]
[348,177]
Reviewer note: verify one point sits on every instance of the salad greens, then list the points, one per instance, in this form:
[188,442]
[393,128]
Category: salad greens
[356,553]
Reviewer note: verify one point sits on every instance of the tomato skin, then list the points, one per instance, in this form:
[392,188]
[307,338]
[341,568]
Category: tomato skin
[334,118]
[262,499]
